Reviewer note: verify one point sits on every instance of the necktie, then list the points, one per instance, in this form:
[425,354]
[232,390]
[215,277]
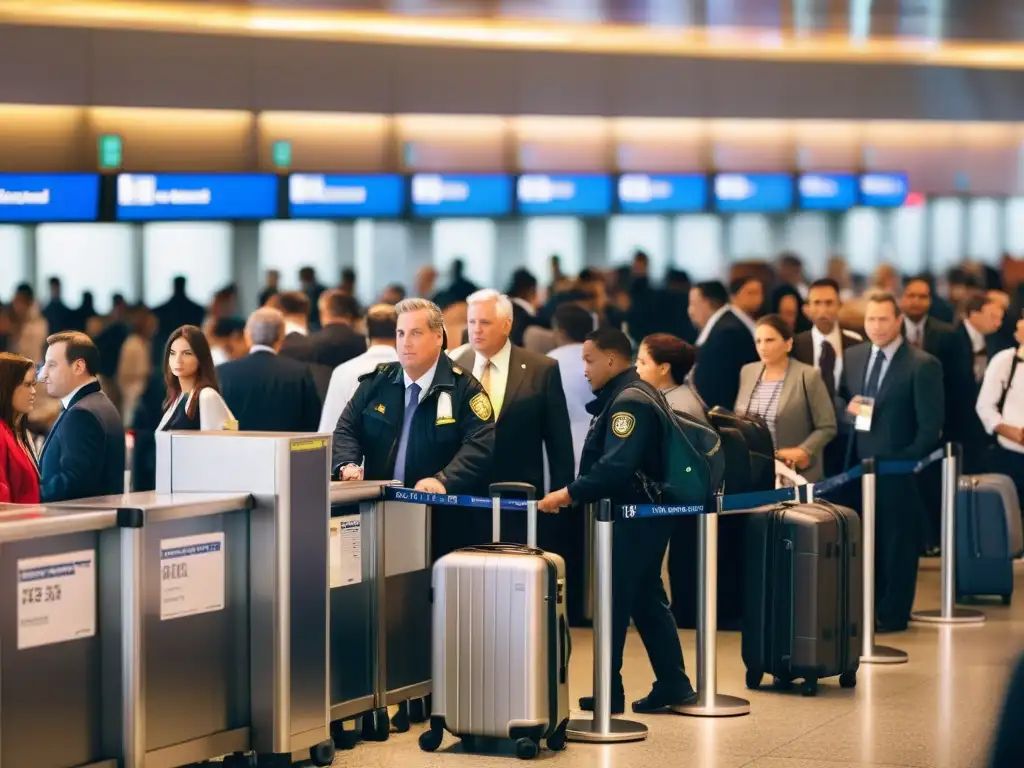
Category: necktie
[871,388]
[486,380]
[411,402]
[827,363]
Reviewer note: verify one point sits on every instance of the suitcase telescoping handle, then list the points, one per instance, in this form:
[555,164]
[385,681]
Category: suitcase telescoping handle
[498,490]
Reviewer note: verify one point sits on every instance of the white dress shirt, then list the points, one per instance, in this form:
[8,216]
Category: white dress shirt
[423,381]
[577,394]
[915,331]
[890,352]
[499,375]
[525,305]
[214,414]
[66,400]
[836,340]
[290,327]
[747,320]
[345,381]
[710,324]
[996,380]
[261,348]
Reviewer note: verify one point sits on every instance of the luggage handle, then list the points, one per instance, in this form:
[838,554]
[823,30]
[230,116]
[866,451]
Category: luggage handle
[497,490]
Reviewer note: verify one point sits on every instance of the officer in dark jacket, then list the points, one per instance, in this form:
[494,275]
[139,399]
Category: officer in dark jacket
[625,439]
[423,421]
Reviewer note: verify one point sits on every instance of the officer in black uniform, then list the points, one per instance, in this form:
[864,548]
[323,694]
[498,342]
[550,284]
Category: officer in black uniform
[423,421]
[624,441]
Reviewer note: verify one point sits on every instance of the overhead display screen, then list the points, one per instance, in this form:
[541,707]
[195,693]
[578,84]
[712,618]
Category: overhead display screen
[883,190]
[827,191]
[753,192]
[345,197]
[662,193]
[435,194]
[564,194]
[189,196]
[32,197]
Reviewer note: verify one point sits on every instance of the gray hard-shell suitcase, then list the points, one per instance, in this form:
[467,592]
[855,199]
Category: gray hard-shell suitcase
[988,536]
[500,642]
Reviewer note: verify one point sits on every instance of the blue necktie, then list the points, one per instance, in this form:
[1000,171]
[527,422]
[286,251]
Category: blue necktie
[875,377]
[411,402]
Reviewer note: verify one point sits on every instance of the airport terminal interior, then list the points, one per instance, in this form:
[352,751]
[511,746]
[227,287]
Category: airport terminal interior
[642,163]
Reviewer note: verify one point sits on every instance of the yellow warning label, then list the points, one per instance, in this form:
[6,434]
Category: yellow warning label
[309,445]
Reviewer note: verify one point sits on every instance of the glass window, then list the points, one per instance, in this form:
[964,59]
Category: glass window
[985,230]
[947,234]
[861,238]
[472,240]
[546,237]
[908,230]
[809,236]
[198,251]
[87,257]
[14,243]
[750,236]
[1015,226]
[698,246]
[288,246]
[650,234]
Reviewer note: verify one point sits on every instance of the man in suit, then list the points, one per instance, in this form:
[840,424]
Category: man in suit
[824,347]
[530,412]
[338,341]
[897,390]
[522,292]
[266,391]
[84,453]
[298,344]
[725,345]
[746,298]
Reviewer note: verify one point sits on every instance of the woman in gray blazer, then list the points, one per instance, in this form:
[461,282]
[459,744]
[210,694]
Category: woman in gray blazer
[790,396]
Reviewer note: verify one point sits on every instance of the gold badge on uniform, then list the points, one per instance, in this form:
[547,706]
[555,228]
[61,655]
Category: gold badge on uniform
[623,424]
[481,406]
[380,408]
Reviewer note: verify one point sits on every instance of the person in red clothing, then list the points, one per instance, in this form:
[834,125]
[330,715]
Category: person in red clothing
[19,472]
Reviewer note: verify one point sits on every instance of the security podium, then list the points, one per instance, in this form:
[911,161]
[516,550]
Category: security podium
[288,477]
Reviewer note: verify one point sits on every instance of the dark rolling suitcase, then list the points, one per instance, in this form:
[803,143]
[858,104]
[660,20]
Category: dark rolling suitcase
[804,606]
[988,536]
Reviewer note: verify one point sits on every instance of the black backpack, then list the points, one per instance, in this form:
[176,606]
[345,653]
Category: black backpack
[694,460]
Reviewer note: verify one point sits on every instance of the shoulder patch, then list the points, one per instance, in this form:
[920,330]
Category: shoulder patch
[381,368]
[480,404]
[623,424]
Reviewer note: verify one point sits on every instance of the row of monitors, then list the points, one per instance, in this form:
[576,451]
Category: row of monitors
[172,196]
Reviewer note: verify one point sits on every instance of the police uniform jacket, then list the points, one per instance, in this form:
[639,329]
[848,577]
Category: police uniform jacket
[624,439]
[454,446]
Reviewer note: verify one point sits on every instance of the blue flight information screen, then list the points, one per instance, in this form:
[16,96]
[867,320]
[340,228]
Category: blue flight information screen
[564,194]
[436,194]
[190,196]
[827,191]
[753,192]
[31,197]
[662,193]
[317,195]
[883,190]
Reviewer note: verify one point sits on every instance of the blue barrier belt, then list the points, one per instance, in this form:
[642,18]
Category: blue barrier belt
[837,481]
[394,493]
[738,501]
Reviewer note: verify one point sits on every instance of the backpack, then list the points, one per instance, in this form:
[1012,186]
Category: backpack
[694,461]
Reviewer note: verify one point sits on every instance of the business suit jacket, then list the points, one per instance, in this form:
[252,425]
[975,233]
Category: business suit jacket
[270,393]
[83,455]
[803,346]
[728,347]
[963,425]
[301,347]
[336,344]
[806,415]
[940,341]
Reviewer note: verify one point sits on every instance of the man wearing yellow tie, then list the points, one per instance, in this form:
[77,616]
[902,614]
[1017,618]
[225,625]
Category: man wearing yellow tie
[525,390]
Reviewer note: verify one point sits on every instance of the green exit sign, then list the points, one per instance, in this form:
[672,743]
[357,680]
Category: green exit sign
[281,153]
[110,153]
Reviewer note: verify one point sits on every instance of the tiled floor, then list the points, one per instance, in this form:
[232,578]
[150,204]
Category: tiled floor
[937,711]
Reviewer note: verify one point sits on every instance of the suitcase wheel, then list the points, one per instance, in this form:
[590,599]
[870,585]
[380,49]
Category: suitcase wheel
[431,739]
[754,678]
[810,687]
[782,684]
[376,726]
[347,738]
[322,754]
[527,749]
[848,680]
[419,709]
[1007,599]
[556,741]
[401,719]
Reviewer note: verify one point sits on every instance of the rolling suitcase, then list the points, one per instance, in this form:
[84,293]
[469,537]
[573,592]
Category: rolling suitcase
[988,536]
[804,605]
[500,643]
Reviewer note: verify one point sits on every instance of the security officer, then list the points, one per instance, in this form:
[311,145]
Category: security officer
[423,421]
[625,442]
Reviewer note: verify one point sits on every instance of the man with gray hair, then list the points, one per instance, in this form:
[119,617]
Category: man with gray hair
[265,391]
[424,421]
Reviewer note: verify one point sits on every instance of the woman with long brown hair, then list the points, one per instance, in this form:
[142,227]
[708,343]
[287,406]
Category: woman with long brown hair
[193,395]
[19,470]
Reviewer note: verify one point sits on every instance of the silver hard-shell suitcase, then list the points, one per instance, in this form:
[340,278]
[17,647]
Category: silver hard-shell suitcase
[500,642]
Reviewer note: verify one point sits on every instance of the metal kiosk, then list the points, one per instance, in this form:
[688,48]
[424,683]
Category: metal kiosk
[288,476]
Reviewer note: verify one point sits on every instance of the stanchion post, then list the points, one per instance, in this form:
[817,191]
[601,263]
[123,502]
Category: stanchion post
[602,728]
[949,613]
[870,652]
[709,703]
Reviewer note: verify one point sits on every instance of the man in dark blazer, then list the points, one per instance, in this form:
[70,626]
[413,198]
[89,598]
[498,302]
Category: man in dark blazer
[725,345]
[337,342]
[83,455]
[531,415]
[902,388]
[266,391]
[825,347]
[298,343]
[983,317]
[522,292]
